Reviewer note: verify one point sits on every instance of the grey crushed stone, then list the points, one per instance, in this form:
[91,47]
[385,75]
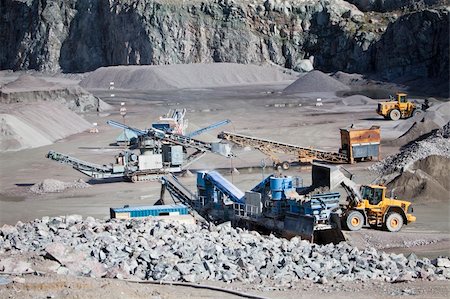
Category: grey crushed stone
[171,251]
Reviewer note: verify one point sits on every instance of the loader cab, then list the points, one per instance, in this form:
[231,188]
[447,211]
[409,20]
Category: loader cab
[401,97]
[373,194]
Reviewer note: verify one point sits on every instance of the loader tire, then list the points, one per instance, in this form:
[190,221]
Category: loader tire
[285,165]
[395,114]
[394,222]
[354,221]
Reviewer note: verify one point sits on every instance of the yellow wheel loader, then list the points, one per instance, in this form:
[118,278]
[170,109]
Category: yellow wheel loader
[399,107]
[370,206]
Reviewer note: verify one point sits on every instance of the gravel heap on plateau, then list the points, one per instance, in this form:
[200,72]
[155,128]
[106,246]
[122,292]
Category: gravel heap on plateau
[437,143]
[29,89]
[51,186]
[171,251]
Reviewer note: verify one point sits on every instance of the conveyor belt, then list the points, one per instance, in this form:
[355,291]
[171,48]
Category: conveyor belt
[177,190]
[78,164]
[225,186]
[269,147]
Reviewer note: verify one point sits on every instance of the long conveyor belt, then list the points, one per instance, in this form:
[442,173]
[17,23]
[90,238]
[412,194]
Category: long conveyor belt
[178,192]
[88,168]
[269,147]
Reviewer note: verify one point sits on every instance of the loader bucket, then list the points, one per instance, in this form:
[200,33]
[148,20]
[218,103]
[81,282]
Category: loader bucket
[302,226]
[327,236]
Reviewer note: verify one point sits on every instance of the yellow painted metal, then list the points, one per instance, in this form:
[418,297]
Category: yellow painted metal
[377,206]
[401,103]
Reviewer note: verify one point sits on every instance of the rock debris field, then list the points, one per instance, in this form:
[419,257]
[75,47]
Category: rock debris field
[51,186]
[170,251]
[437,143]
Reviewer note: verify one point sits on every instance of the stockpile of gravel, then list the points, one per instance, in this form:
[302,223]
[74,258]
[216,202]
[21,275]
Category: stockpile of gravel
[357,99]
[37,124]
[196,75]
[437,143]
[171,251]
[51,186]
[437,116]
[29,89]
[427,179]
[315,81]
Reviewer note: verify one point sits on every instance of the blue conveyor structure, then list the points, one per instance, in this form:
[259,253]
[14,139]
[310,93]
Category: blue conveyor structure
[208,128]
[225,186]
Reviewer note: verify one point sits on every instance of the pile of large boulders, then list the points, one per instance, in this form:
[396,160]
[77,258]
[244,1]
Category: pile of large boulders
[171,251]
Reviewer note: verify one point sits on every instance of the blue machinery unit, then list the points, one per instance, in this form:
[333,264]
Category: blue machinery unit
[275,204]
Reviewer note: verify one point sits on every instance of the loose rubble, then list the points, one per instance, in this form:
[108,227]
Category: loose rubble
[438,143]
[170,251]
[51,186]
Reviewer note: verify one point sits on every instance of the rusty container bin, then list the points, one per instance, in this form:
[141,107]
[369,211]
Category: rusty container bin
[361,144]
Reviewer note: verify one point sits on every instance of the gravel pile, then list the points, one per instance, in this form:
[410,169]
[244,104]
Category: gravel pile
[171,251]
[315,81]
[30,125]
[427,179]
[51,186]
[28,89]
[437,143]
[167,77]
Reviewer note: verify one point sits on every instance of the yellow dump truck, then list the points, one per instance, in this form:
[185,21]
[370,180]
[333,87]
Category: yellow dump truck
[370,206]
[398,107]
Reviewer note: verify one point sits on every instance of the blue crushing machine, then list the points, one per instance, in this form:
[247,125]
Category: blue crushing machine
[277,204]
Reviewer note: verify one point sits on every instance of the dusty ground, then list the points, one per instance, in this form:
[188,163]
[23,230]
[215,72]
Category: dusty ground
[252,111]
[53,286]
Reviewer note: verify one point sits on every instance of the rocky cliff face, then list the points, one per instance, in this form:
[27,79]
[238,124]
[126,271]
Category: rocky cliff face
[391,5]
[417,44]
[82,35]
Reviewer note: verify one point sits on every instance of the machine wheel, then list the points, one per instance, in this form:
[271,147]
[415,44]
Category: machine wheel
[285,165]
[394,222]
[417,112]
[354,220]
[134,178]
[394,114]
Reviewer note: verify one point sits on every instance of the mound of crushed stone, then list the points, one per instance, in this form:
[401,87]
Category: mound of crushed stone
[37,124]
[419,129]
[315,81]
[161,250]
[356,100]
[28,83]
[30,89]
[167,77]
[420,126]
[52,186]
[437,143]
[427,179]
